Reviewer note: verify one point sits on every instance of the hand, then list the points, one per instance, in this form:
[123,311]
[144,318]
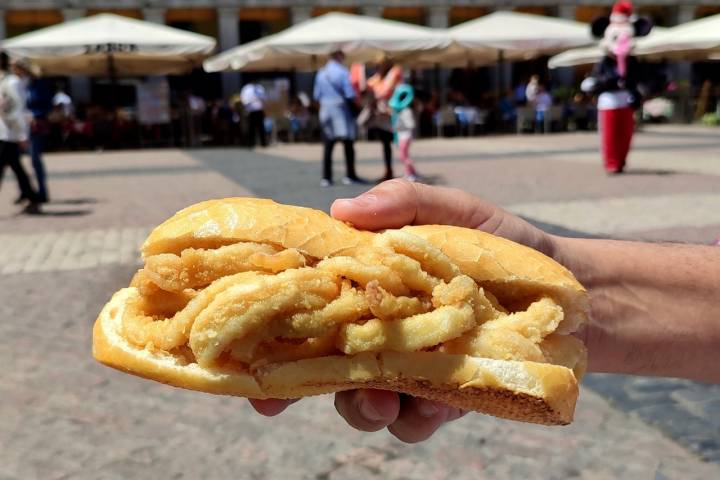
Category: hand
[394,204]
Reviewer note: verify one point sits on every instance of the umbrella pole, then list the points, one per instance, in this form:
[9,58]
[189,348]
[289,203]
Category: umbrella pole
[112,75]
[500,74]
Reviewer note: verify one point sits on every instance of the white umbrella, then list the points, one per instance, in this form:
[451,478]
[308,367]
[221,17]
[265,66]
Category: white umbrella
[591,55]
[306,45]
[509,36]
[696,40]
[110,45]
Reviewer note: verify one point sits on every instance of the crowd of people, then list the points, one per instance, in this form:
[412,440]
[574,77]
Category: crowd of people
[381,104]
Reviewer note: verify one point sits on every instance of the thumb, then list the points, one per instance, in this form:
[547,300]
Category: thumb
[396,203]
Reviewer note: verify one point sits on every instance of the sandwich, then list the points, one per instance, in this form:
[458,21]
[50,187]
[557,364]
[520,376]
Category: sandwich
[248,297]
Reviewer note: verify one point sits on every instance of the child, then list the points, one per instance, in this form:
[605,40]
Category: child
[404,125]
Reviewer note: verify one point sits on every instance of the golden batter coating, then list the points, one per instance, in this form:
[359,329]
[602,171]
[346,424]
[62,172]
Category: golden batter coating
[242,302]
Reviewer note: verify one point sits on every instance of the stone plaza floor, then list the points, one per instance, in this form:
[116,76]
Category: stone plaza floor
[63,416]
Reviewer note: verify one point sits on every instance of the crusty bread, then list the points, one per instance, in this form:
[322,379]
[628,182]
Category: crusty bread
[520,390]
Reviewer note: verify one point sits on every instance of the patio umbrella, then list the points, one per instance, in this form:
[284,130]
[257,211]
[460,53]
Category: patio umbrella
[507,36]
[591,55]
[110,45]
[305,46]
[696,40]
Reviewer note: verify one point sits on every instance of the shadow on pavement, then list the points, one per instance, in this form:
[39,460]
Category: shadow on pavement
[58,213]
[74,201]
[649,171]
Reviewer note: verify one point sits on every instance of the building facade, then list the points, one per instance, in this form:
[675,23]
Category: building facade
[234,22]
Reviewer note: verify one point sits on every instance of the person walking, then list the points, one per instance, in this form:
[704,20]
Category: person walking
[14,132]
[62,100]
[253,98]
[40,104]
[382,85]
[336,97]
[404,123]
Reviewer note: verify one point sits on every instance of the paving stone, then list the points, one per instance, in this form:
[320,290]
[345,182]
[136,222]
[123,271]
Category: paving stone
[64,416]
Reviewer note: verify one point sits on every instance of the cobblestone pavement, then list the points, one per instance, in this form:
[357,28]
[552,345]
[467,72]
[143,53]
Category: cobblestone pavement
[64,416]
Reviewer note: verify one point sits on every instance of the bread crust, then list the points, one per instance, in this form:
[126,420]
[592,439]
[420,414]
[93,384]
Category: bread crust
[525,391]
[519,390]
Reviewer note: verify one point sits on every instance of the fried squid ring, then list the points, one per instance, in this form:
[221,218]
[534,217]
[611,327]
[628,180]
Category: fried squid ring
[407,334]
[432,259]
[195,268]
[244,308]
[511,337]
[361,273]
[386,306]
[169,333]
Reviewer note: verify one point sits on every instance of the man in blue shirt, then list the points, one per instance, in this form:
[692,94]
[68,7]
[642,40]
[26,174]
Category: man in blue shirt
[334,93]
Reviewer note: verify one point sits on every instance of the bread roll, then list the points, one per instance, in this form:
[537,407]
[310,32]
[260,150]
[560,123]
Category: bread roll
[247,297]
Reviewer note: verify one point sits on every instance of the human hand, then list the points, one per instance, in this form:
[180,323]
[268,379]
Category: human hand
[394,204]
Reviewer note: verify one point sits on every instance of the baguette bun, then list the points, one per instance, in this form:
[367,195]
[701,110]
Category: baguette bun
[248,297]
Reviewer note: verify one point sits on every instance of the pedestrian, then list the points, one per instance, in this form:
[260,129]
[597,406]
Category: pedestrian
[532,89]
[382,85]
[404,124]
[542,102]
[62,99]
[40,104]
[253,97]
[337,98]
[14,132]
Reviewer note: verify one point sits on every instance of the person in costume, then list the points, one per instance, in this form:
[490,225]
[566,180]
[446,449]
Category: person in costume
[615,80]
[403,120]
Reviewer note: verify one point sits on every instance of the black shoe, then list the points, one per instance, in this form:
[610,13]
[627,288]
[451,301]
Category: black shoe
[43,199]
[32,208]
[20,199]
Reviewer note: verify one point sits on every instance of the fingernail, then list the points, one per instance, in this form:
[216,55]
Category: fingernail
[368,411]
[427,408]
[365,199]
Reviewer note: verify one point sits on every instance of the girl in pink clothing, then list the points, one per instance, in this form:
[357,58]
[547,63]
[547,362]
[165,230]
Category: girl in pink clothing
[404,125]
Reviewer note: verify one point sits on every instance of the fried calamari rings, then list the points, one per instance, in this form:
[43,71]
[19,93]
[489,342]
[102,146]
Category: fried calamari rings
[200,267]
[158,302]
[169,333]
[349,307]
[408,334]
[321,320]
[357,271]
[398,293]
[453,316]
[433,260]
[386,306]
[511,337]
[247,307]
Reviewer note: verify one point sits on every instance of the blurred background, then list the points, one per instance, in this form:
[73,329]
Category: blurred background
[144,115]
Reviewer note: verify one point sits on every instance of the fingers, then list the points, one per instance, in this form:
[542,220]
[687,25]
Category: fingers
[420,418]
[270,407]
[368,410]
[396,203]
[410,419]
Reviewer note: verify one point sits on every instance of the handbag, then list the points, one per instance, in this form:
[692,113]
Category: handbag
[352,107]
